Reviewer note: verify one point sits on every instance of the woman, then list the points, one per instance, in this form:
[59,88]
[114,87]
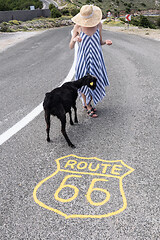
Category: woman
[88,33]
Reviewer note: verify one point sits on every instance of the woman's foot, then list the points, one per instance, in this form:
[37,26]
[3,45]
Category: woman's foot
[93,109]
[89,107]
[92,114]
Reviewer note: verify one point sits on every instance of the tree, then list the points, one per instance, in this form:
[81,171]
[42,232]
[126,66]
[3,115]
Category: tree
[74,11]
[158,22]
[55,12]
[4,6]
[144,22]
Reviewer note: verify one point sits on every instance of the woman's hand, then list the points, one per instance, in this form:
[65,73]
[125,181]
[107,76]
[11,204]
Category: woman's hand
[77,39]
[108,42]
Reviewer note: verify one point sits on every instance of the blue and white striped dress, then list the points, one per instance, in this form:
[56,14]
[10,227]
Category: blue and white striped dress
[90,60]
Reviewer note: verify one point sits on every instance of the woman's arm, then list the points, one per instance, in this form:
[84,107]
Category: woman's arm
[108,42]
[75,37]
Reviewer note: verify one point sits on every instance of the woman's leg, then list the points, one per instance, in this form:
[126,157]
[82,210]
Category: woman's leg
[89,107]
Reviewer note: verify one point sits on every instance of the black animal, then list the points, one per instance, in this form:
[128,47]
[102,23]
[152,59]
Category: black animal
[59,101]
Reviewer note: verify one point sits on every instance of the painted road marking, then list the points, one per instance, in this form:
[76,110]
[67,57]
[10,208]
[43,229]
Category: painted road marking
[21,124]
[85,188]
[35,112]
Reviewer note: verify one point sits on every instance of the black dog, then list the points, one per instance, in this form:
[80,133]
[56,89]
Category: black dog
[59,101]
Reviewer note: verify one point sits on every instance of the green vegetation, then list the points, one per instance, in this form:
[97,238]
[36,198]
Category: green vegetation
[120,6]
[116,7]
[35,24]
[8,5]
[62,17]
[70,10]
[55,12]
[113,23]
[143,21]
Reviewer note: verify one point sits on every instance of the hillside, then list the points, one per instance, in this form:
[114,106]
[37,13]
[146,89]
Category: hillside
[116,7]
[121,6]
[19,4]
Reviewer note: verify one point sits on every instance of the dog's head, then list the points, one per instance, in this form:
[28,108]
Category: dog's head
[91,81]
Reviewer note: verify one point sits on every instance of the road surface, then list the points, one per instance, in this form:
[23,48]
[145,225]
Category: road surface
[47,2]
[106,188]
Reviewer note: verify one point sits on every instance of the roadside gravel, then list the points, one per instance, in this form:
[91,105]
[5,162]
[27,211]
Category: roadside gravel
[144,32]
[10,39]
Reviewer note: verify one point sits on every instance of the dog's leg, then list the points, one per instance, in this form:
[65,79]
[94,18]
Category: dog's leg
[75,114]
[47,118]
[63,130]
[70,115]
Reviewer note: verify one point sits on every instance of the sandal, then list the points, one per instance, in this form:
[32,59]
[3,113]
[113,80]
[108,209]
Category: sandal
[92,108]
[92,114]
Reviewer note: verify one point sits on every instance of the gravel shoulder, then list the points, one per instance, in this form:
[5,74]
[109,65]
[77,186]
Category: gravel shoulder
[10,39]
[143,32]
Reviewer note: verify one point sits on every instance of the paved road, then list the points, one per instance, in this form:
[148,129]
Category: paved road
[106,188]
[46,3]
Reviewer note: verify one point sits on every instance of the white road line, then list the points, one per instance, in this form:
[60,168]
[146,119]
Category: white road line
[35,112]
[21,124]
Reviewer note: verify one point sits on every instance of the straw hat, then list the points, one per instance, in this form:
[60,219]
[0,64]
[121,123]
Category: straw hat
[89,16]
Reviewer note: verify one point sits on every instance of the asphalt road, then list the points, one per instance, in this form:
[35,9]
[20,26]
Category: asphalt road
[46,3]
[108,186]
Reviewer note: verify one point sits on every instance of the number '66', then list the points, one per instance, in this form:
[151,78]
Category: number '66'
[91,189]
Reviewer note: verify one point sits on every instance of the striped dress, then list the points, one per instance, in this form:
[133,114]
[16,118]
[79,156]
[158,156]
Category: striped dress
[90,60]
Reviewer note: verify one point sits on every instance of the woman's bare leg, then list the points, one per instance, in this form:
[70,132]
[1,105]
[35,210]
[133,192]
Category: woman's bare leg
[89,107]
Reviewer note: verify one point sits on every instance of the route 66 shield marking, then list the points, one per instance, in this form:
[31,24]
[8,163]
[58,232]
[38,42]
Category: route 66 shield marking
[84,188]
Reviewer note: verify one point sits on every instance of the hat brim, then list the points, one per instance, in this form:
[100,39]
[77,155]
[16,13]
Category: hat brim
[89,22]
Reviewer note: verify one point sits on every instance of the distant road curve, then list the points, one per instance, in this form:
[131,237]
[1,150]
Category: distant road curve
[47,2]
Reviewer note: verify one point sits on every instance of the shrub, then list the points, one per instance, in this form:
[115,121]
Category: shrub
[122,19]
[134,21]
[4,27]
[144,22]
[51,6]
[14,22]
[128,10]
[55,13]
[158,22]
[143,4]
[74,11]
[4,6]
[65,11]
[39,4]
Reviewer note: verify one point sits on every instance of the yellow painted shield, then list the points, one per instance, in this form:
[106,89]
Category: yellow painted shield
[84,188]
